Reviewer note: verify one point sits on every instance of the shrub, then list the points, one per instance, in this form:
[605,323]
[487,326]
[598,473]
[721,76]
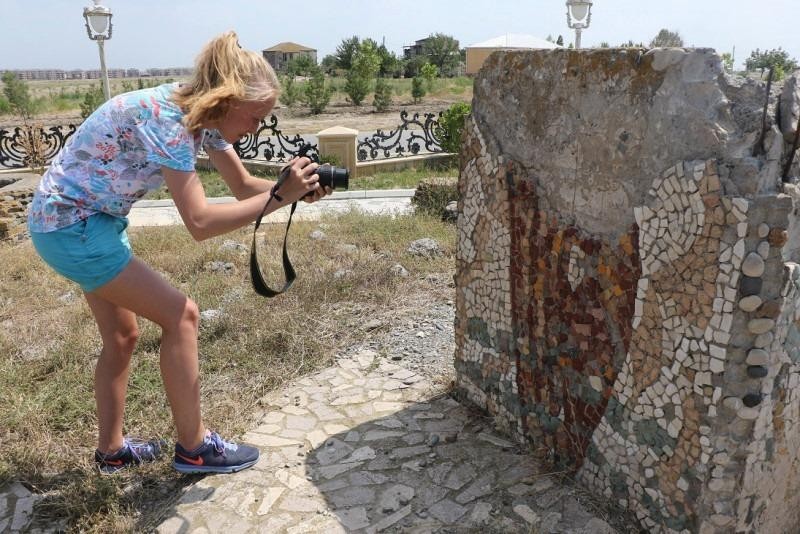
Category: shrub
[451,126]
[433,194]
[383,95]
[330,159]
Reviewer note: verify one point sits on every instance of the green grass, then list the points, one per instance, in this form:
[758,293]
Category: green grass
[49,345]
[405,179]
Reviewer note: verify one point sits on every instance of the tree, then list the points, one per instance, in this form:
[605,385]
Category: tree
[18,95]
[442,51]
[417,89]
[302,65]
[776,58]
[92,100]
[413,66]
[560,41]
[383,95]
[291,92]
[727,61]
[365,65]
[318,93]
[390,63]
[345,52]
[665,39]
[329,64]
[631,44]
[430,73]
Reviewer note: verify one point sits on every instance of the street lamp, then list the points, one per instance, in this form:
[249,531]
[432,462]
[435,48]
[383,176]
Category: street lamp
[98,27]
[579,15]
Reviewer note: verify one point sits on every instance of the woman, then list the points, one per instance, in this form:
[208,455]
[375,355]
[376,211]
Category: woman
[77,220]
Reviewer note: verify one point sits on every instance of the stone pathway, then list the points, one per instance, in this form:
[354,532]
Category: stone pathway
[369,446]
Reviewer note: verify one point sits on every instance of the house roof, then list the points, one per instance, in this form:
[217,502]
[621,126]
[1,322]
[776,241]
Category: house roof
[289,47]
[515,40]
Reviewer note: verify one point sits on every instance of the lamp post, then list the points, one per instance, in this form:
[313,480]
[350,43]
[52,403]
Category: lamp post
[579,15]
[98,27]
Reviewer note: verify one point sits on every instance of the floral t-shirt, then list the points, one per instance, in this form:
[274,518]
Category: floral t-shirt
[115,157]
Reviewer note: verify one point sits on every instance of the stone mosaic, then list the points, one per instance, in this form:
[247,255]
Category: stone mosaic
[656,356]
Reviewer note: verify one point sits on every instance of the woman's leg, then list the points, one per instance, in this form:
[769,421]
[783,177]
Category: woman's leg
[119,331]
[144,292]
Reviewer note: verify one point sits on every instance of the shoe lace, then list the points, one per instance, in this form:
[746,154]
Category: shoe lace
[220,444]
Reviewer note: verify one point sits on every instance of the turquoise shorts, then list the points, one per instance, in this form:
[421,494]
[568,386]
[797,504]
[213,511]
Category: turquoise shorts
[90,252]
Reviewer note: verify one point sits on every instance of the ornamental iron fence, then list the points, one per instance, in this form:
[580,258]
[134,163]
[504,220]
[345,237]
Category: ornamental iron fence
[270,144]
[405,140]
[31,146]
[35,146]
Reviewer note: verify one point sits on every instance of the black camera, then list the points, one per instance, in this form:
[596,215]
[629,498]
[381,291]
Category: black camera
[333,177]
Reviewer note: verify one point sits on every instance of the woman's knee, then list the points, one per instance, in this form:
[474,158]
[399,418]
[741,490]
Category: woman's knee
[189,319]
[123,341]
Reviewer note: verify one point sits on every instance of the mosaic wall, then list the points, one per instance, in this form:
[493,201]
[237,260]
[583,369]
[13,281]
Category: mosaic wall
[658,360]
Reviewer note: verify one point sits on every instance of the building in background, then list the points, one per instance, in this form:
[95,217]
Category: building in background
[94,74]
[281,54]
[477,53]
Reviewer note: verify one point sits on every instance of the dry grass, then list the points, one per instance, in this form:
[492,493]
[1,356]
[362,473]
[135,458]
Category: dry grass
[49,345]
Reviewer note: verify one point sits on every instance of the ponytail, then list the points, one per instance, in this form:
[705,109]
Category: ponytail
[224,72]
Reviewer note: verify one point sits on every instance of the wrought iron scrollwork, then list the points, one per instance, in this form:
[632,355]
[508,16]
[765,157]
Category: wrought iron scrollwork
[28,146]
[404,140]
[274,146]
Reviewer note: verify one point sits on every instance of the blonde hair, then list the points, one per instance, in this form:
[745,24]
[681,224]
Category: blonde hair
[224,72]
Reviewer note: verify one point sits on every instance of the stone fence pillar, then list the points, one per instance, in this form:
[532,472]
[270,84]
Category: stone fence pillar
[340,142]
[628,280]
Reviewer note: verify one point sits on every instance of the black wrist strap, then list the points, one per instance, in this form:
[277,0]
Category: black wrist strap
[259,285]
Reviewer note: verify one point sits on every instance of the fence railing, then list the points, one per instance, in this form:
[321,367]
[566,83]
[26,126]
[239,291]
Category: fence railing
[405,140]
[35,146]
[31,146]
[270,144]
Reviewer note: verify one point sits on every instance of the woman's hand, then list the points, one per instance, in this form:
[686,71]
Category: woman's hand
[302,179]
[317,194]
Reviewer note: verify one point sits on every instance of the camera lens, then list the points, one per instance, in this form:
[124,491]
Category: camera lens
[333,177]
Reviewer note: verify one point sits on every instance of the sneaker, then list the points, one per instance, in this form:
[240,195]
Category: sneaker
[133,452]
[215,455]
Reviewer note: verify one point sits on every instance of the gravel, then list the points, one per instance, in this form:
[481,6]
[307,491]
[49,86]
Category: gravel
[423,343]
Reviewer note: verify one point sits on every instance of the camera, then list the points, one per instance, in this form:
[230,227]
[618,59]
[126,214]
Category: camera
[333,177]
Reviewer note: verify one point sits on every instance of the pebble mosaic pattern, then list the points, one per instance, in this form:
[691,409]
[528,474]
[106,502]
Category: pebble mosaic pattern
[661,366]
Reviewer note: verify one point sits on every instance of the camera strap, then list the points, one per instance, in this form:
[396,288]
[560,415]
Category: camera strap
[259,285]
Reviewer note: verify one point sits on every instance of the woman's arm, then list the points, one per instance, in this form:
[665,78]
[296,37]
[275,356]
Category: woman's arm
[204,220]
[241,183]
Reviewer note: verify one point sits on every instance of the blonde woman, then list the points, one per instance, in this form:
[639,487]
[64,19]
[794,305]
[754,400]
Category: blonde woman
[77,220]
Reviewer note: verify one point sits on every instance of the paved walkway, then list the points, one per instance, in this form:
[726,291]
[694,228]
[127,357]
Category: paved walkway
[368,446]
[164,213]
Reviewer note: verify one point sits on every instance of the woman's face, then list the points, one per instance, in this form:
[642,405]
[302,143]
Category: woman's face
[243,118]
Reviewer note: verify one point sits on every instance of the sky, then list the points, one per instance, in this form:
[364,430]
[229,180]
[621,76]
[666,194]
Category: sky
[38,34]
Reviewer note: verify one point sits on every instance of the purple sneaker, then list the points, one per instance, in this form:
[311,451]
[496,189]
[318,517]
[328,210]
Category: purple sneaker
[215,455]
[133,452]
